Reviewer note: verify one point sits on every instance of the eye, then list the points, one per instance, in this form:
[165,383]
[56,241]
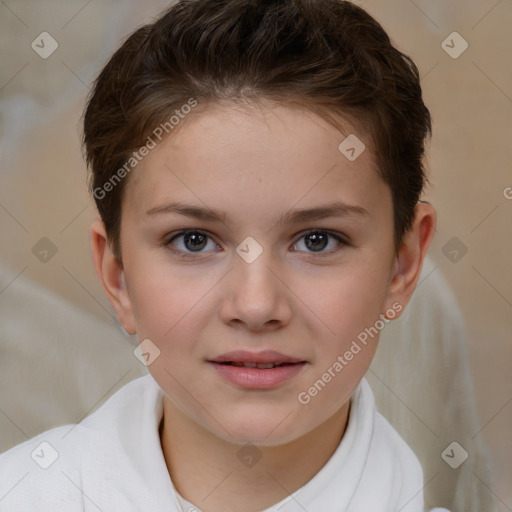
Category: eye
[188,242]
[192,241]
[316,241]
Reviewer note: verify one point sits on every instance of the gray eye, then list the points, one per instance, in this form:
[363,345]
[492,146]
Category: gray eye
[191,241]
[317,241]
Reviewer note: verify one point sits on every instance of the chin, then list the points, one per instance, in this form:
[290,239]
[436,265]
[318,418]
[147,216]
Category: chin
[259,430]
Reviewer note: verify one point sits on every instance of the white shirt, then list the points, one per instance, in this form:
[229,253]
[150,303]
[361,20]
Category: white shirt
[113,461]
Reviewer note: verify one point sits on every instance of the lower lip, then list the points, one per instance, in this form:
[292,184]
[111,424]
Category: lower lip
[257,378]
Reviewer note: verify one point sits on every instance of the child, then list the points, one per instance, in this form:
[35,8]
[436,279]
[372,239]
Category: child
[257,167]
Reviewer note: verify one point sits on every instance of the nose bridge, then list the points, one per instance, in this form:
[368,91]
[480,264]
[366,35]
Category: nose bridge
[255,278]
[257,296]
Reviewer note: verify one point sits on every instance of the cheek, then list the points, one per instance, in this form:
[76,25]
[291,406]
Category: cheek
[164,301]
[350,306]
[350,300]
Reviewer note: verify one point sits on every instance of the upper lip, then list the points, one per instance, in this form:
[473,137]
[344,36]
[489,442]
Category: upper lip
[265,356]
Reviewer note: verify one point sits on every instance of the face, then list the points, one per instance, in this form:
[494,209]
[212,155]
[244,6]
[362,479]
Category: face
[249,239]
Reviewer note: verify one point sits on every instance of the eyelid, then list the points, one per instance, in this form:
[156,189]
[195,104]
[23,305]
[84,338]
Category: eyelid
[335,234]
[175,234]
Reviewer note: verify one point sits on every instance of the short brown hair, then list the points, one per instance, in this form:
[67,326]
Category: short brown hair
[329,55]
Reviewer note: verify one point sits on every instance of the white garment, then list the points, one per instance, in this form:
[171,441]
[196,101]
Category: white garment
[113,461]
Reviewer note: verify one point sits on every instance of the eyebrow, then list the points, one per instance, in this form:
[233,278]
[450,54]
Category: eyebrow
[334,209]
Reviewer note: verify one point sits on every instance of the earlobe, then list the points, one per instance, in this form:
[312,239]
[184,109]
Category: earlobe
[111,275]
[409,260]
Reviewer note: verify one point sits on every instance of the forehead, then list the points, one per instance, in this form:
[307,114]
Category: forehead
[266,156]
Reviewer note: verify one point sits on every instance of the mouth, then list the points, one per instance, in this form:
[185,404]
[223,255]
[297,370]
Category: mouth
[260,366]
[261,370]
[265,359]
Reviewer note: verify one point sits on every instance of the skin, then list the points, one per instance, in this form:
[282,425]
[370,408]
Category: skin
[254,164]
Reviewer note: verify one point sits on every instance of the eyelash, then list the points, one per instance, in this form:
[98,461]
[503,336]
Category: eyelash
[340,239]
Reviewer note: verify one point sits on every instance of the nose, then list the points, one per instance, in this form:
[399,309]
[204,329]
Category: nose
[255,296]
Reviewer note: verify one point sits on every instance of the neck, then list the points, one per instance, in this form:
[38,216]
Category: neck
[212,474]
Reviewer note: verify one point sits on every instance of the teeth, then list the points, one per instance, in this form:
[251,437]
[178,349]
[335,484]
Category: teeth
[261,366]
[265,366]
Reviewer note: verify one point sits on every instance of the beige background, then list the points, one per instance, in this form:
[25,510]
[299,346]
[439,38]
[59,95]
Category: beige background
[42,175]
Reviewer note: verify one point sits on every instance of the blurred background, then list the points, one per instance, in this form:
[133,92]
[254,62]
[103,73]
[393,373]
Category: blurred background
[50,53]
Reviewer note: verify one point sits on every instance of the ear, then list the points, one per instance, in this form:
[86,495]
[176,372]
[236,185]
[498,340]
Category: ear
[409,260]
[111,275]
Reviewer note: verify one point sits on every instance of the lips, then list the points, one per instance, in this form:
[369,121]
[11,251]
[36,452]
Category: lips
[256,370]
[266,359]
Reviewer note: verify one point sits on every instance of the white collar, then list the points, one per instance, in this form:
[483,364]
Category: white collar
[372,468]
